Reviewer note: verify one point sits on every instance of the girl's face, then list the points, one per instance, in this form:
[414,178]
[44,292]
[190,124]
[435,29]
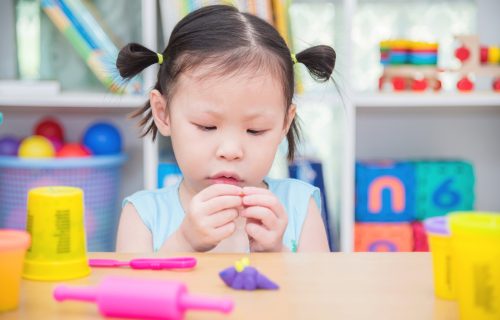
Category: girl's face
[224,129]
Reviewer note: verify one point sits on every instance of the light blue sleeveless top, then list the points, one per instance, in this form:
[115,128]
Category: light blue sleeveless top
[162,213]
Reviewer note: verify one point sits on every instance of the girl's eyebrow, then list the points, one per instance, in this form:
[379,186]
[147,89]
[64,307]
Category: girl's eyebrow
[247,117]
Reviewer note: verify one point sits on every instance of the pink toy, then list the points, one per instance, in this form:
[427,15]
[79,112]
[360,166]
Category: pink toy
[154,264]
[142,298]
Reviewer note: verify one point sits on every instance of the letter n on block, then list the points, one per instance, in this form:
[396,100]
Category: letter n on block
[385,191]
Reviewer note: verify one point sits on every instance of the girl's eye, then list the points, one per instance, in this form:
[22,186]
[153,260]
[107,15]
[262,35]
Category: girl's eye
[206,128]
[255,132]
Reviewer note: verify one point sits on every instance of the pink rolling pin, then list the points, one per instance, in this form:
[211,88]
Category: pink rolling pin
[142,298]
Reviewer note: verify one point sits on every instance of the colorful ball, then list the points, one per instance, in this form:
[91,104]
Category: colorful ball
[50,128]
[9,145]
[103,139]
[73,150]
[36,147]
[58,144]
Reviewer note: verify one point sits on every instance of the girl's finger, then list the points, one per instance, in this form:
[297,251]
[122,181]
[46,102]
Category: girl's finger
[220,203]
[219,189]
[255,190]
[224,231]
[223,217]
[265,200]
[258,233]
[262,214]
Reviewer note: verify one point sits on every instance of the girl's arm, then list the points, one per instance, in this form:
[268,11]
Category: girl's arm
[313,237]
[133,235]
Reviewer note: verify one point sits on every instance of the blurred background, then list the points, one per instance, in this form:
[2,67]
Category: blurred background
[414,108]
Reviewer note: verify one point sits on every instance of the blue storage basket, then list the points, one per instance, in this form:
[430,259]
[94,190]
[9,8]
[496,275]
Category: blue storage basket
[98,176]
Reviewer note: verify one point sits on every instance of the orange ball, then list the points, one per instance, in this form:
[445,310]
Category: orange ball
[73,150]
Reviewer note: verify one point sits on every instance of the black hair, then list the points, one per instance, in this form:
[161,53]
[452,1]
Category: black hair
[228,40]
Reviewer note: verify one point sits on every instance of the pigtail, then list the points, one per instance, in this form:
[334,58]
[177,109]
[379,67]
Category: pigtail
[319,60]
[133,58]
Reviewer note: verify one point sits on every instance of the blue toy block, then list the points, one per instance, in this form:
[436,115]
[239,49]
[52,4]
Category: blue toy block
[385,191]
[168,174]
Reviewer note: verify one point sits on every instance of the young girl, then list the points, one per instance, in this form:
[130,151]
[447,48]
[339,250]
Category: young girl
[224,96]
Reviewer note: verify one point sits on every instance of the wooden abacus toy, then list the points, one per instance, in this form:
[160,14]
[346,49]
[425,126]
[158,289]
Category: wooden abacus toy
[409,65]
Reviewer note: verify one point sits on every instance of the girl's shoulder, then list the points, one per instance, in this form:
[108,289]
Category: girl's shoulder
[155,198]
[144,195]
[293,192]
[289,184]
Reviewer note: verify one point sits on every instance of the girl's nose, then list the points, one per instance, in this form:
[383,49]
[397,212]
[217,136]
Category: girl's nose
[230,149]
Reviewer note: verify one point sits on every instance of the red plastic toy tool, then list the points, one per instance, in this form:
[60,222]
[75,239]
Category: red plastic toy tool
[152,264]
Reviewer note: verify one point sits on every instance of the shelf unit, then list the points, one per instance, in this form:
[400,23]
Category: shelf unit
[365,115]
[427,100]
[73,100]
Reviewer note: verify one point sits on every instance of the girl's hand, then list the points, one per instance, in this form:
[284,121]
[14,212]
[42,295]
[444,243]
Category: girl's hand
[210,216]
[266,219]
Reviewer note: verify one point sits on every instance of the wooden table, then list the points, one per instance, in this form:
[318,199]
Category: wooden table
[364,286]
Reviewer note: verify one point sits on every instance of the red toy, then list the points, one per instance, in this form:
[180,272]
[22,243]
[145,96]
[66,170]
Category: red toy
[478,61]
[50,128]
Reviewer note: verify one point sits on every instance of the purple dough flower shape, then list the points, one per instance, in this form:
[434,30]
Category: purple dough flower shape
[248,279]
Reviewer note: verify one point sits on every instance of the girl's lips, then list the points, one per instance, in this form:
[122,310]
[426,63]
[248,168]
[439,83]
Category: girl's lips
[225,180]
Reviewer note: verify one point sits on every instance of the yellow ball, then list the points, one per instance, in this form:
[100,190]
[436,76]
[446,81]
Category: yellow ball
[36,147]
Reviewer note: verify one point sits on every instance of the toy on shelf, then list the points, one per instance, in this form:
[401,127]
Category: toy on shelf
[409,65]
[383,237]
[477,60]
[73,150]
[142,298]
[50,128]
[385,191]
[442,187]
[9,146]
[103,138]
[242,276]
[393,196]
[151,264]
[420,242]
[36,147]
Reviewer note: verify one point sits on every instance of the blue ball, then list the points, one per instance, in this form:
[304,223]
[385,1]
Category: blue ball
[103,139]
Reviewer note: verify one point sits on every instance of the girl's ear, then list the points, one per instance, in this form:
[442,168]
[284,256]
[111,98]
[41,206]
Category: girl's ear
[292,110]
[161,115]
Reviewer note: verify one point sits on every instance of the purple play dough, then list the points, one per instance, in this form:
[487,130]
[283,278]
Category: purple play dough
[248,279]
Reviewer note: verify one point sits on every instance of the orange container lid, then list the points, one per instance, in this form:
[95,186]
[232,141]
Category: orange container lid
[11,239]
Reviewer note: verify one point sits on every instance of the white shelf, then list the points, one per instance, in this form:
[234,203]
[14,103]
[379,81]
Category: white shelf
[73,100]
[425,100]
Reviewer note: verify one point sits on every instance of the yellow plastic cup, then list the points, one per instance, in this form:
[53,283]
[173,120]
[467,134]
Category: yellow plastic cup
[476,261]
[56,224]
[440,244]
[13,245]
